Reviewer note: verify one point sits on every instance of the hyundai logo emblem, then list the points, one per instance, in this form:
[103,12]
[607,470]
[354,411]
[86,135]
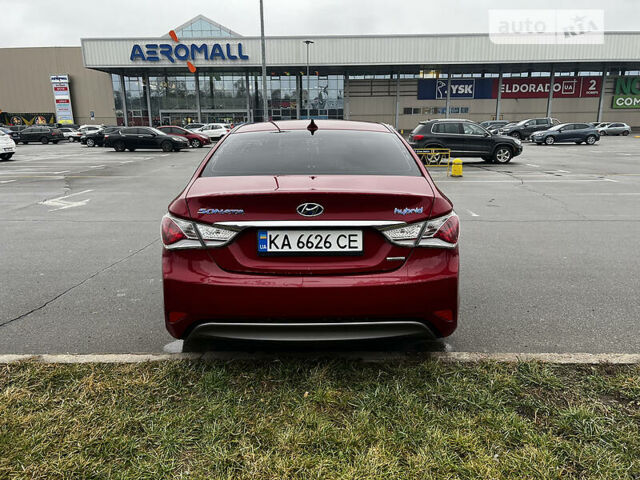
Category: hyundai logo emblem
[310,209]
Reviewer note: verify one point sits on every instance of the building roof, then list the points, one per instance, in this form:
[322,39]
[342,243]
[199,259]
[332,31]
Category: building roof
[203,27]
[384,53]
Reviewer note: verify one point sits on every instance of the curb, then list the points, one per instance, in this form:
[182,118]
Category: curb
[463,357]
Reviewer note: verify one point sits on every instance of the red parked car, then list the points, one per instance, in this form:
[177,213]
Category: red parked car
[291,231]
[196,140]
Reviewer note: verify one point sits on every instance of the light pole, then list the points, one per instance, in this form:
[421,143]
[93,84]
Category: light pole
[308,42]
[265,103]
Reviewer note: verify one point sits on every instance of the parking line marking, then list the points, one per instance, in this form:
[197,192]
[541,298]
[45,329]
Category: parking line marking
[6,181]
[532,165]
[63,204]
[472,214]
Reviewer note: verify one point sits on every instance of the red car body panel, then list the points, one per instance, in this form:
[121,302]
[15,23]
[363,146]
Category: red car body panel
[233,283]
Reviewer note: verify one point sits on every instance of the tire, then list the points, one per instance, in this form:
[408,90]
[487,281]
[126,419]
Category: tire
[91,142]
[166,146]
[119,147]
[550,140]
[70,140]
[516,135]
[602,133]
[44,140]
[6,156]
[132,149]
[625,133]
[503,154]
[591,139]
[195,143]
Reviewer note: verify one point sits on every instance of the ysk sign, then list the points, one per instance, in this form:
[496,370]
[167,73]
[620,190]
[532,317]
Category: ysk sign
[627,93]
[155,52]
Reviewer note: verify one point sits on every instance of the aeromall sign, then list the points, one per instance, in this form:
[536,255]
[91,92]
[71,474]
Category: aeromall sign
[155,52]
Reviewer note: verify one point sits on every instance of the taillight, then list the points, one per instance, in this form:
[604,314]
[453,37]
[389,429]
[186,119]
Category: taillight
[178,233]
[417,138]
[441,232]
[171,233]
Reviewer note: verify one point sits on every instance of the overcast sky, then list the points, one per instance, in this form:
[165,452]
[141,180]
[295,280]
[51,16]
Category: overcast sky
[28,23]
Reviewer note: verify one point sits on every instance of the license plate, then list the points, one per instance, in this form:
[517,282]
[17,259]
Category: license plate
[310,241]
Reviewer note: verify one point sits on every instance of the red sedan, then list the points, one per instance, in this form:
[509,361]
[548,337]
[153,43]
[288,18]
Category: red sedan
[196,140]
[298,231]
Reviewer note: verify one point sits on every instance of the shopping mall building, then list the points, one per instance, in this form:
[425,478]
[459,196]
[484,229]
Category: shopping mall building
[207,72]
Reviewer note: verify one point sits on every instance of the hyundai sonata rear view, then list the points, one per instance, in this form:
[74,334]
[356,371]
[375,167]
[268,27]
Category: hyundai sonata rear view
[298,231]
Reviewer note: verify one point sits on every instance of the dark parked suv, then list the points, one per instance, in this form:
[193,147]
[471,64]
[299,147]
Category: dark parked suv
[465,139]
[131,138]
[524,128]
[95,138]
[40,134]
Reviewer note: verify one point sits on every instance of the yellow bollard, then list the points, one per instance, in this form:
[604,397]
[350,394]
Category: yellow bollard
[456,169]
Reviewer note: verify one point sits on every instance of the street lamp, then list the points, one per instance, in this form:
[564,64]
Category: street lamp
[308,42]
[265,103]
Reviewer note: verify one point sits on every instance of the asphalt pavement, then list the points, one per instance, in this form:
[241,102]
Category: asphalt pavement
[549,249]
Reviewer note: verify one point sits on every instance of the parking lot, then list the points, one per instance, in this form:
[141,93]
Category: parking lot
[548,249]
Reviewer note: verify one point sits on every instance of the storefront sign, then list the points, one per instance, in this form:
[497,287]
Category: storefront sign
[537,87]
[154,52]
[62,98]
[436,88]
[627,93]
[563,87]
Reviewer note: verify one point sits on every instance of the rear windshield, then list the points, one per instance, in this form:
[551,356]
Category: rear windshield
[297,152]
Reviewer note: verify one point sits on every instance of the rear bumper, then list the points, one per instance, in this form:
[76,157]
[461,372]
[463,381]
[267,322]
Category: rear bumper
[310,332]
[199,296]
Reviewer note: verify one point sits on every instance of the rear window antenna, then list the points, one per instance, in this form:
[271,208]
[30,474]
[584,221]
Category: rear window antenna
[275,125]
[312,127]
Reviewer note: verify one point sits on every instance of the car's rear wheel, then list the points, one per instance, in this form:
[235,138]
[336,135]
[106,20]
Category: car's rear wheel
[44,140]
[91,142]
[516,135]
[625,133]
[119,146]
[6,156]
[195,143]
[591,139]
[503,155]
[550,140]
[166,146]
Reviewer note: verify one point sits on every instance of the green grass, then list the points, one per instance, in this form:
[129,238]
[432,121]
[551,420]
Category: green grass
[297,419]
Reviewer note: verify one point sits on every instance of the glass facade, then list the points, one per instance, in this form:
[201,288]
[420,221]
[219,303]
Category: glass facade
[202,29]
[227,98]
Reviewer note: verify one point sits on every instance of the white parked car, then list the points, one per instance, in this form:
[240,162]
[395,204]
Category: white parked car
[215,131]
[7,146]
[615,128]
[71,134]
[90,128]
